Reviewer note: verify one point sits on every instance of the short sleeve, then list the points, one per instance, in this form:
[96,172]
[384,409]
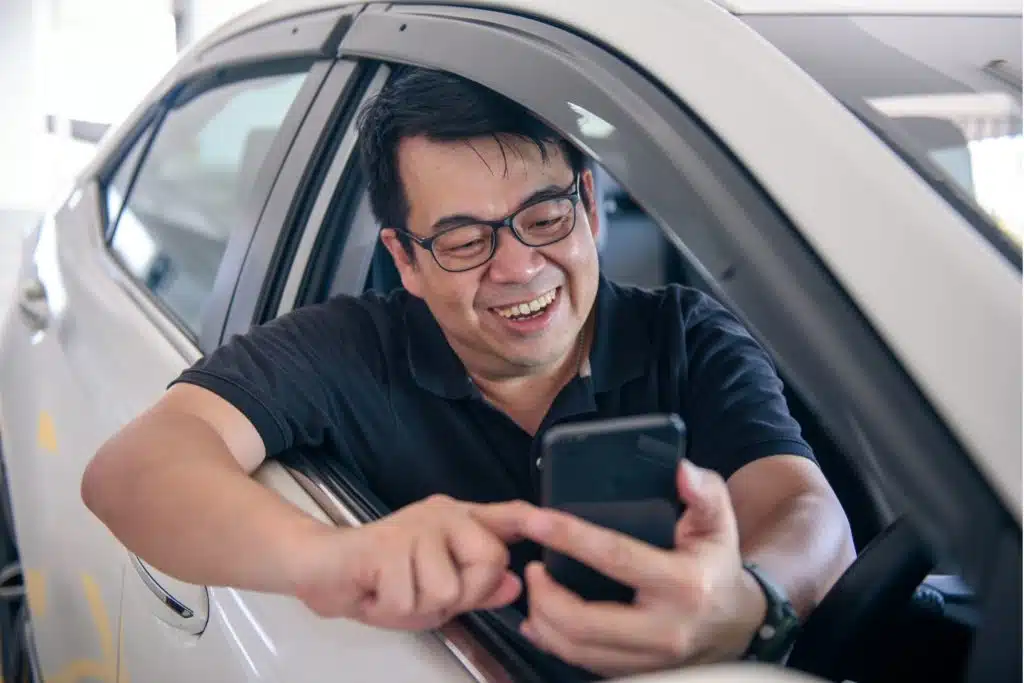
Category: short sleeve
[736,409]
[294,376]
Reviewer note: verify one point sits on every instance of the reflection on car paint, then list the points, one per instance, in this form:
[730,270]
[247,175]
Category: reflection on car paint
[104,669]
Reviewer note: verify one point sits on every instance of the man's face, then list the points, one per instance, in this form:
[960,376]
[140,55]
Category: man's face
[478,178]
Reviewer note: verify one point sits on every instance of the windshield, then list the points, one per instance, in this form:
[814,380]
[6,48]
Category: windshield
[947,88]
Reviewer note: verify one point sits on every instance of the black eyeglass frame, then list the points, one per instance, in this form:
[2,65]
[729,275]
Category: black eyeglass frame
[572,194]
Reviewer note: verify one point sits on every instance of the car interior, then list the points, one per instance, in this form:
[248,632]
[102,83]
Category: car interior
[927,625]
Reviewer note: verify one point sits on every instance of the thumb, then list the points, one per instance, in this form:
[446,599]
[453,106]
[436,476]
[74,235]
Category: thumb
[708,507]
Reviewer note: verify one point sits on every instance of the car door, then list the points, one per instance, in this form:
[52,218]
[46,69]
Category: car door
[115,297]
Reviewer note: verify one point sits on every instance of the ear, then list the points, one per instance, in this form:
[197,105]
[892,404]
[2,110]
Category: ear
[589,192]
[406,265]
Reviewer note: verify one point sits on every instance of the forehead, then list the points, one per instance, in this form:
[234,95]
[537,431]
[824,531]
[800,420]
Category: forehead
[483,177]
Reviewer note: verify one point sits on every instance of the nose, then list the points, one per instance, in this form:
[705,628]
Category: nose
[514,262]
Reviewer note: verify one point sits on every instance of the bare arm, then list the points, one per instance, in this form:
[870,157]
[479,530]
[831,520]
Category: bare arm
[174,487]
[791,524]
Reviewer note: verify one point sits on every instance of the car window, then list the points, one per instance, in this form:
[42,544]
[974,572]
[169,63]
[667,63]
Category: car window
[117,187]
[946,89]
[193,187]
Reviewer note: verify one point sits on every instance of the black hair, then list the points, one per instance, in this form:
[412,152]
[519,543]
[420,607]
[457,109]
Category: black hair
[442,107]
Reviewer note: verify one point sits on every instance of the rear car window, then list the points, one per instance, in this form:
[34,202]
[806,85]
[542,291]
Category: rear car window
[172,222]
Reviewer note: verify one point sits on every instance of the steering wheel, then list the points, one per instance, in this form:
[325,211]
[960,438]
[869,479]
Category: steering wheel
[873,590]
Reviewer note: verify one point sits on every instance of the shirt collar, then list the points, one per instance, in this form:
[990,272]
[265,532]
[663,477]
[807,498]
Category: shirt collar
[622,337]
[619,351]
[432,362]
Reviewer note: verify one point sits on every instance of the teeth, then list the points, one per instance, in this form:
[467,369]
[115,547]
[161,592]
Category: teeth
[528,307]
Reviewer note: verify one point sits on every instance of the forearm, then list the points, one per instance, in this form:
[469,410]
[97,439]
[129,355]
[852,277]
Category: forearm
[170,490]
[804,544]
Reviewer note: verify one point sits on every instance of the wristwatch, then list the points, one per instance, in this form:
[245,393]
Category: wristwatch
[775,637]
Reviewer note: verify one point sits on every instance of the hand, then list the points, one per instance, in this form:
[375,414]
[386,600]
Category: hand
[412,570]
[693,604]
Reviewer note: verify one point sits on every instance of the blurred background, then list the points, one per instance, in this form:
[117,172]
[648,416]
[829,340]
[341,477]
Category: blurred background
[68,70]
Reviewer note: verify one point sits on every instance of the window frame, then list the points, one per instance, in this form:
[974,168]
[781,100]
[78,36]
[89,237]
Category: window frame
[820,342]
[296,200]
[145,131]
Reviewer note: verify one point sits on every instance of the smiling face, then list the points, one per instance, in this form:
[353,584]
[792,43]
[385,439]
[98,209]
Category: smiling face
[521,312]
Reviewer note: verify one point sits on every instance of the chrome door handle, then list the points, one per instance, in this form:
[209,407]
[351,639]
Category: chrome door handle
[179,608]
[33,304]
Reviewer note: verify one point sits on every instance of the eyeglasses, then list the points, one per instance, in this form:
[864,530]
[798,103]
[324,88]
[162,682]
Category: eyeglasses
[538,224]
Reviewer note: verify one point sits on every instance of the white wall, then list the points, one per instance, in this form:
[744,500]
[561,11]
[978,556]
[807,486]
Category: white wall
[21,114]
[210,14]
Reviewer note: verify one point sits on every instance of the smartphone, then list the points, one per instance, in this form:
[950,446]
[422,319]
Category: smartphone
[618,473]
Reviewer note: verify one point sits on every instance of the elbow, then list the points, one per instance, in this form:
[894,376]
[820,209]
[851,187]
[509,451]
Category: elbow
[93,483]
[100,483]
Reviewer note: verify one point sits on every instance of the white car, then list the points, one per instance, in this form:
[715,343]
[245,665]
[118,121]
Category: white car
[845,176]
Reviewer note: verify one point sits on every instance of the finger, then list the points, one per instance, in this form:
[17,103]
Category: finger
[708,506]
[620,557]
[437,584]
[482,562]
[504,520]
[604,624]
[604,661]
[505,594]
[396,590]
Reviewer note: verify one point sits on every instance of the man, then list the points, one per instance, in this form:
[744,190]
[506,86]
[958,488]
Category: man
[435,397]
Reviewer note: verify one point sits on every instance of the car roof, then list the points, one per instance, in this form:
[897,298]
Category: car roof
[274,10]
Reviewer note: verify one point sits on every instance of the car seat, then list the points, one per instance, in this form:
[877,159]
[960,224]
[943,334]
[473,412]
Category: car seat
[383,276]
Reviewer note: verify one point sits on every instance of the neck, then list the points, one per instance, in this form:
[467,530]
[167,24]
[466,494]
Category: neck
[527,398]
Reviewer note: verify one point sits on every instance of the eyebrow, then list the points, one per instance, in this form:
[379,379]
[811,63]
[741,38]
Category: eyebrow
[464,219]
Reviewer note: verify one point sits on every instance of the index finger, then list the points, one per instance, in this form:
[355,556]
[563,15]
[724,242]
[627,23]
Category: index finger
[507,521]
[616,555]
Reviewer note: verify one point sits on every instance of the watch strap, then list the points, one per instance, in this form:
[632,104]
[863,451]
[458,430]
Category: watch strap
[774,639]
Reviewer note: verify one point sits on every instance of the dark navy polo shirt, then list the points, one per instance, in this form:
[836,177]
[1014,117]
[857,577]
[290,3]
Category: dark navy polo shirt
[372,382]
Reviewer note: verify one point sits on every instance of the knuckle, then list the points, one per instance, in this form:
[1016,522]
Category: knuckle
[618,554]
[447,594]
[701,588]
[439,598]
[494,553]
[438,499]
[519,507]
[564,528]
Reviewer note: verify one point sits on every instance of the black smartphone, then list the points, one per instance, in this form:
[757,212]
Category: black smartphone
[618,473]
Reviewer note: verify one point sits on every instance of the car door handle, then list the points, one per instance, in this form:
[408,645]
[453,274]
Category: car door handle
[33,304]
[172,603]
